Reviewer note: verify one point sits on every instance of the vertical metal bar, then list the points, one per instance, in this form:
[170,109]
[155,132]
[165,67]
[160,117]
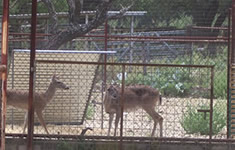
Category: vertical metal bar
[105,70]
[233,32]
[31,79]
[12,85]
[144,57]
[122,107]
[132,43]
[211,103]
[86,22]
[228,74]
[5,23]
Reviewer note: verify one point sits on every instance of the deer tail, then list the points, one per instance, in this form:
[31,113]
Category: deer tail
[160,99]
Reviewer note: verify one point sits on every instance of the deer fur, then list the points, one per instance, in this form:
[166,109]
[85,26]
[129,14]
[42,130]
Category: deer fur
[2,68]
[138,96]
[19,99]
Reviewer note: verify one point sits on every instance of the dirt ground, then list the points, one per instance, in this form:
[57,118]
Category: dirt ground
[135,123]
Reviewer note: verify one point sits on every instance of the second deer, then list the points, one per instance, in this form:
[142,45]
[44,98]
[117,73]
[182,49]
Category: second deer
[19,99]
[138,96]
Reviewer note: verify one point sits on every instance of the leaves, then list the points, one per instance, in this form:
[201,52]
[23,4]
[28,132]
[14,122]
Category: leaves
[195,122]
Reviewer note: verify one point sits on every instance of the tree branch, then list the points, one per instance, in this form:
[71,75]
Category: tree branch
[52,15]
[74,29]
[121,12]
[74,10]
[13,4]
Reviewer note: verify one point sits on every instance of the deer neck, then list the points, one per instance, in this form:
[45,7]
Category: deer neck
[50,92]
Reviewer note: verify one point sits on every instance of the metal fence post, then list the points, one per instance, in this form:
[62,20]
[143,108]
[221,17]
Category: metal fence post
[122,107]
[104,70]
[233,31]
[5,22]
[31,80]
[211,103]
[228,73]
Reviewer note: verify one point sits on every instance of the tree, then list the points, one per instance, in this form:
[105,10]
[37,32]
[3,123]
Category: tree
[160,11]
[74,29]
[210,13]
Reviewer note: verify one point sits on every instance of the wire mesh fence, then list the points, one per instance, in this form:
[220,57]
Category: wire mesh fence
[149,33]
[185,105]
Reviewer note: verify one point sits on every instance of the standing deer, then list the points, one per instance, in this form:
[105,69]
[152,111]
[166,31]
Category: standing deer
[138,96]
[19,99]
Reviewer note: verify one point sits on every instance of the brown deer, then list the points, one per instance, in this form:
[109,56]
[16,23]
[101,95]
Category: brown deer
[138,96]
[19,99]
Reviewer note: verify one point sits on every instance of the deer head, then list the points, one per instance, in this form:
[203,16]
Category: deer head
[113,92]
[112,99]
[57,83]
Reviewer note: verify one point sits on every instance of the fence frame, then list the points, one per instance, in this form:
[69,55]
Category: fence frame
[4,53]
[196,39]
[123,65]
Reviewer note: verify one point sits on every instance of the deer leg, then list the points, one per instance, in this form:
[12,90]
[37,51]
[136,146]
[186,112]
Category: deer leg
[157,119]
[110,122]
[116,122]
[25,121]
[161,126]
[39,114]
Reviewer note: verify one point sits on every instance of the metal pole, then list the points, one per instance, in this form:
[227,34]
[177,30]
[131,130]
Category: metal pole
[86,22]
[132,42]
[104,70]
[233,32]
[211,103]
[5,22]
[122,107]
[228,73]
[31,79]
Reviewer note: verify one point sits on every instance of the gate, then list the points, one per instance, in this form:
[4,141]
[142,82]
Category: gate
[231,111]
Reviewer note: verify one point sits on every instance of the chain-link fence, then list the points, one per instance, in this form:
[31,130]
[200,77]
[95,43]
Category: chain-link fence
[185,91]
[150,32]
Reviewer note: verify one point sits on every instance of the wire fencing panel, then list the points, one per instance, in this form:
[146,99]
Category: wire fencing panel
[182,32]
[184,116]
[158,32]
[18,81]
[184,94]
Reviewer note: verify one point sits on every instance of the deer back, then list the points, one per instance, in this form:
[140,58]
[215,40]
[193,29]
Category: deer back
[140,96]
[133,97]
[19,99]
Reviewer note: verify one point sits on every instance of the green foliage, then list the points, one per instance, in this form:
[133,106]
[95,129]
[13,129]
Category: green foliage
[173,82]
[220,85]
[161,12]
[195,122]
[90,112]
[24,6]
[183,81]
[220,70]
[64,146]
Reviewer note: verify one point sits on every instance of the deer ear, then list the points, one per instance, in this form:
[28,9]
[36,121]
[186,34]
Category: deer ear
[53,77]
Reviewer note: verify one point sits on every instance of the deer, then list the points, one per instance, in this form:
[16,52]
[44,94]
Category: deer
[19,99]
[138,96]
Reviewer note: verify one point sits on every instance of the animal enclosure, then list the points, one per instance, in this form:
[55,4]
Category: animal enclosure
[64,113]
[182,50]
